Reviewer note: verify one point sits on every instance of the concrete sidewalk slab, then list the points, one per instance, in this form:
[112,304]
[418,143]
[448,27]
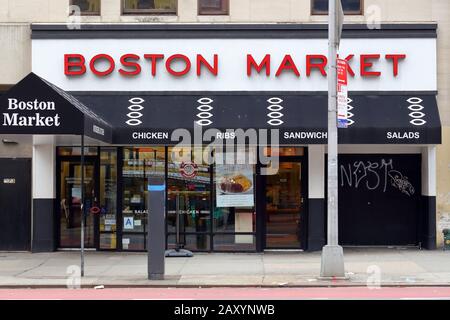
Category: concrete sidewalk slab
[396,267]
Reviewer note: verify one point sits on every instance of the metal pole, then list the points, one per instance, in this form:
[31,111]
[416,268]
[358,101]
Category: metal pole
[177,210]
[82,206]
[332,130]
[332,253]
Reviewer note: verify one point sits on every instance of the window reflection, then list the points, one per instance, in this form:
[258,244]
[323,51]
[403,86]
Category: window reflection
[108,198]
[189,196]
[70,203]
[284,206]
[87,6]
[284,151]
[234,242]
[150,6]
[76,151]
[138,165]
[234,216]
[349,6]
[213,7]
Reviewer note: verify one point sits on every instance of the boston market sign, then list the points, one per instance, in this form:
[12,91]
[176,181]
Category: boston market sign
[179,65]
[270,65]
[35,118]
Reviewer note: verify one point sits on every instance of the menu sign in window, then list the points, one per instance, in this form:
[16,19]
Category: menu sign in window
[234,186]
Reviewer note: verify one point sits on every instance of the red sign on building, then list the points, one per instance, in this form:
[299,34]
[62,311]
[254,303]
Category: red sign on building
[342,94]
[188,169]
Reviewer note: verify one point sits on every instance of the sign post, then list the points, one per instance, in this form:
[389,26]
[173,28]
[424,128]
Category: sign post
[332,264]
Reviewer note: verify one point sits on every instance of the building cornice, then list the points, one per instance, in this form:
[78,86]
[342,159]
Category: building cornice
[227,31]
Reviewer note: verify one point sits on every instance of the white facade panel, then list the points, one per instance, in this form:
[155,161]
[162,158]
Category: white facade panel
[417,72]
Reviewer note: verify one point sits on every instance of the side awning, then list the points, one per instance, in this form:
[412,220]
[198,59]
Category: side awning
[35,106]
[142,118]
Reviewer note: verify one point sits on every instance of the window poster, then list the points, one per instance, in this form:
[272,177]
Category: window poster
[234,185]
[128,223]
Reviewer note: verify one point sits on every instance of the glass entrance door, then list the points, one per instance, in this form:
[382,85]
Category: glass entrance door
[70,203]
[284,207]
[188,202]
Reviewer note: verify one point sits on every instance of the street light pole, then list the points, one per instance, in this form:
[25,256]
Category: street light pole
[332,264]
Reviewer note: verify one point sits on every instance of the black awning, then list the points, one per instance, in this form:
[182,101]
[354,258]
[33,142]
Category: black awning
[151,119]
[301,119]
[35,106]
[406,119]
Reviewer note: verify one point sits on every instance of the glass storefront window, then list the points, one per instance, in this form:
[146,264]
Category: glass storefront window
[134,242]
[234,242]
[192,196]
[214,204]
[76,151]
[138,165]
[234,219]
[108,241]
[284,151]
[108,198]
[195,242]
[70,213]
[234,216]
[189,197]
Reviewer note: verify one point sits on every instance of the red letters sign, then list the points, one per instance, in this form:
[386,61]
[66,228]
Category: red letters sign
[179,65]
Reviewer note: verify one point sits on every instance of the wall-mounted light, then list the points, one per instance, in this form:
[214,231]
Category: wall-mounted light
[10,142]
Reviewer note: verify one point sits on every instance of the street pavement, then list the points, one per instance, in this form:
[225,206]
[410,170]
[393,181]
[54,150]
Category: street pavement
[370,267]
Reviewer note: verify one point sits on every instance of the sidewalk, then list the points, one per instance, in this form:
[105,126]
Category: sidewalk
[398,267]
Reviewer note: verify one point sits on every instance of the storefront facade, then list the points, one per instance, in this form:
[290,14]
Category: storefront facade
[256,89]
[205,224]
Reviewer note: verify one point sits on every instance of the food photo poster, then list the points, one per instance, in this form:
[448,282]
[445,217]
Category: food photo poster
[234,185]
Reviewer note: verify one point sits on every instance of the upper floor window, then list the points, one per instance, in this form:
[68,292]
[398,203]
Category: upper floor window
[150,6]
[87,7]
[351,7]
[213,7]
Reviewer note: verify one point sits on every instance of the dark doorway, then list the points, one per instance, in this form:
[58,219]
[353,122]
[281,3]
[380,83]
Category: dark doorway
[379,199]
[15,204]
[285,192]
[69,195]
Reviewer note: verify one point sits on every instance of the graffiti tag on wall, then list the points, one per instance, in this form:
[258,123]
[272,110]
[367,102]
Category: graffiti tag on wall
[375,175]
